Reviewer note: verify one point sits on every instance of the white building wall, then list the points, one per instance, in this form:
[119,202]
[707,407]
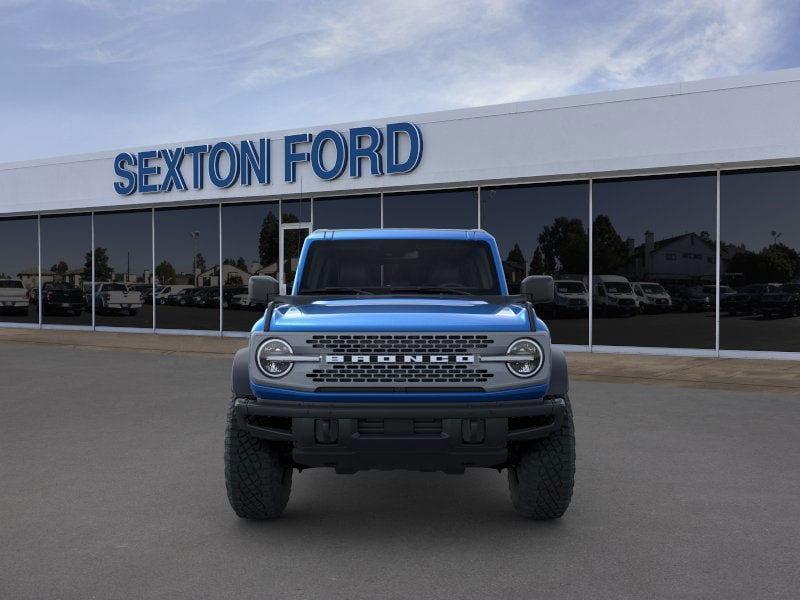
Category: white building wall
[728,122]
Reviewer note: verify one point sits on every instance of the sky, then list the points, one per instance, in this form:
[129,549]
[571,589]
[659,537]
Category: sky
[89,75]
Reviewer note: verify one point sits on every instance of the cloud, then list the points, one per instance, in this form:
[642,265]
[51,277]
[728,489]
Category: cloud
[204,68]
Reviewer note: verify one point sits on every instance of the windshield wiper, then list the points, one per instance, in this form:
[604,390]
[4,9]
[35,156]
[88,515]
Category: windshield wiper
[425,289]
[336,290]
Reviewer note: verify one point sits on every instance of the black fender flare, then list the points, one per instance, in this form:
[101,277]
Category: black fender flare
[559,376]
[240,374]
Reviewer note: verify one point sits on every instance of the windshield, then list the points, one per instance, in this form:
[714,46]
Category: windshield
[415,266]
[653,288]
[618,288]
[112,287]
[570,287]
[10,283]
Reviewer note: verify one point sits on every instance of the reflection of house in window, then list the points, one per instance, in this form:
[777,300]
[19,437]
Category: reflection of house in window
[677,259]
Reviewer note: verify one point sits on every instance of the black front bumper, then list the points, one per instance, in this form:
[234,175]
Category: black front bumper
[409,435]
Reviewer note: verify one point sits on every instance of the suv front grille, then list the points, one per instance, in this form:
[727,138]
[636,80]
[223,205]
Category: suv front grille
[399,373]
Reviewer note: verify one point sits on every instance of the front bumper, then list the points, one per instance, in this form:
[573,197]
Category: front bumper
[401,435]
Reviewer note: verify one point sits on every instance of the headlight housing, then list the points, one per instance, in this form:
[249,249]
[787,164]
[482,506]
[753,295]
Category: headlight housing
[269,366]
[533,361]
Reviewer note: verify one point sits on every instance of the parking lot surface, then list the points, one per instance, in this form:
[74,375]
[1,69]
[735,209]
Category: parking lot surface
[112,487]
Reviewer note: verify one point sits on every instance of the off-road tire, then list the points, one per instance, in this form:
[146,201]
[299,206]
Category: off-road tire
[257,476]
[542,478]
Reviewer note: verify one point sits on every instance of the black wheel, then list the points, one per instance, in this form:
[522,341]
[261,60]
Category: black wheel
[542,478]
[257,475]
[132,312]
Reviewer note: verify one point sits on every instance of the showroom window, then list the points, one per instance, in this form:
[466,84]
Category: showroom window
[296,211]
[19,270]
[654,261]
[249,247]
[123,267]
[543,230]
[449,209]
[760,260]
[348,212]
[187,268]
[66,269]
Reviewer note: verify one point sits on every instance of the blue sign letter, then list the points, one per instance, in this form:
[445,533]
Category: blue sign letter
[197,153]
[371,151]
[173,176]
[213,164]
[254,161]
[122,159]
[145,171]
[290,157]
[318,147]
[415,153]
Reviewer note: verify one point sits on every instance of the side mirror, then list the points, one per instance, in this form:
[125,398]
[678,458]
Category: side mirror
[537,289]
[262,289]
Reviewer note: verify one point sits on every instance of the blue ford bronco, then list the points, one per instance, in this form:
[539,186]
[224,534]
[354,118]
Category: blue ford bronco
[400,349]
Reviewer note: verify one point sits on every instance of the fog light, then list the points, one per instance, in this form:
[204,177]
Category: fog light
[531,358]
[268,358]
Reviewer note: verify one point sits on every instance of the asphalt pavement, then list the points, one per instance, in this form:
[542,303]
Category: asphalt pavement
[111,486]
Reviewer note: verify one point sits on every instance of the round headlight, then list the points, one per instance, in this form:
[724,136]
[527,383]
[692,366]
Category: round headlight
[269,366]
[531,358]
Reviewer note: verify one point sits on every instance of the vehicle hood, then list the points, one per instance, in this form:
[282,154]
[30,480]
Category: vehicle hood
[496,313]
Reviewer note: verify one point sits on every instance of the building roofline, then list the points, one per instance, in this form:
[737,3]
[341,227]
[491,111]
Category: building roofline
[716,84]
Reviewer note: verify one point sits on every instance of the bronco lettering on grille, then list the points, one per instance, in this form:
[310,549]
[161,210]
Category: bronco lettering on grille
[400,358]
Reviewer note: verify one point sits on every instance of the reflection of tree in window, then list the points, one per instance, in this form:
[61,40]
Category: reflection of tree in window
[60,268]
[774,263]
[610,250]
[268,241]
[165,273]
[563,245]
[102,270]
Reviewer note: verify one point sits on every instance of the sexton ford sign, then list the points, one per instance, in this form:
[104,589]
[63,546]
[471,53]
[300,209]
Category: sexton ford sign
[226,164]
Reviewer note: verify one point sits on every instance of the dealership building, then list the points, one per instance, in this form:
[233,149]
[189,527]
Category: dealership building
[678,203]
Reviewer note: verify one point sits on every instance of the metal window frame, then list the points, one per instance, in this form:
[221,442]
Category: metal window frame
[91,289]
[591,265]
[219,265]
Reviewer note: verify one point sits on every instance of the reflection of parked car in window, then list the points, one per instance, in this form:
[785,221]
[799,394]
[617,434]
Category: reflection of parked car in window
[747,299]
[651,297]
[114,298]
[240,302]
[613,294]
[229,292]
[181,297]
[203,297]
[163,295]
[785,301]
[690,299]
[145,290]
[725,291]
[61,297]
[14,298]
[570,298]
